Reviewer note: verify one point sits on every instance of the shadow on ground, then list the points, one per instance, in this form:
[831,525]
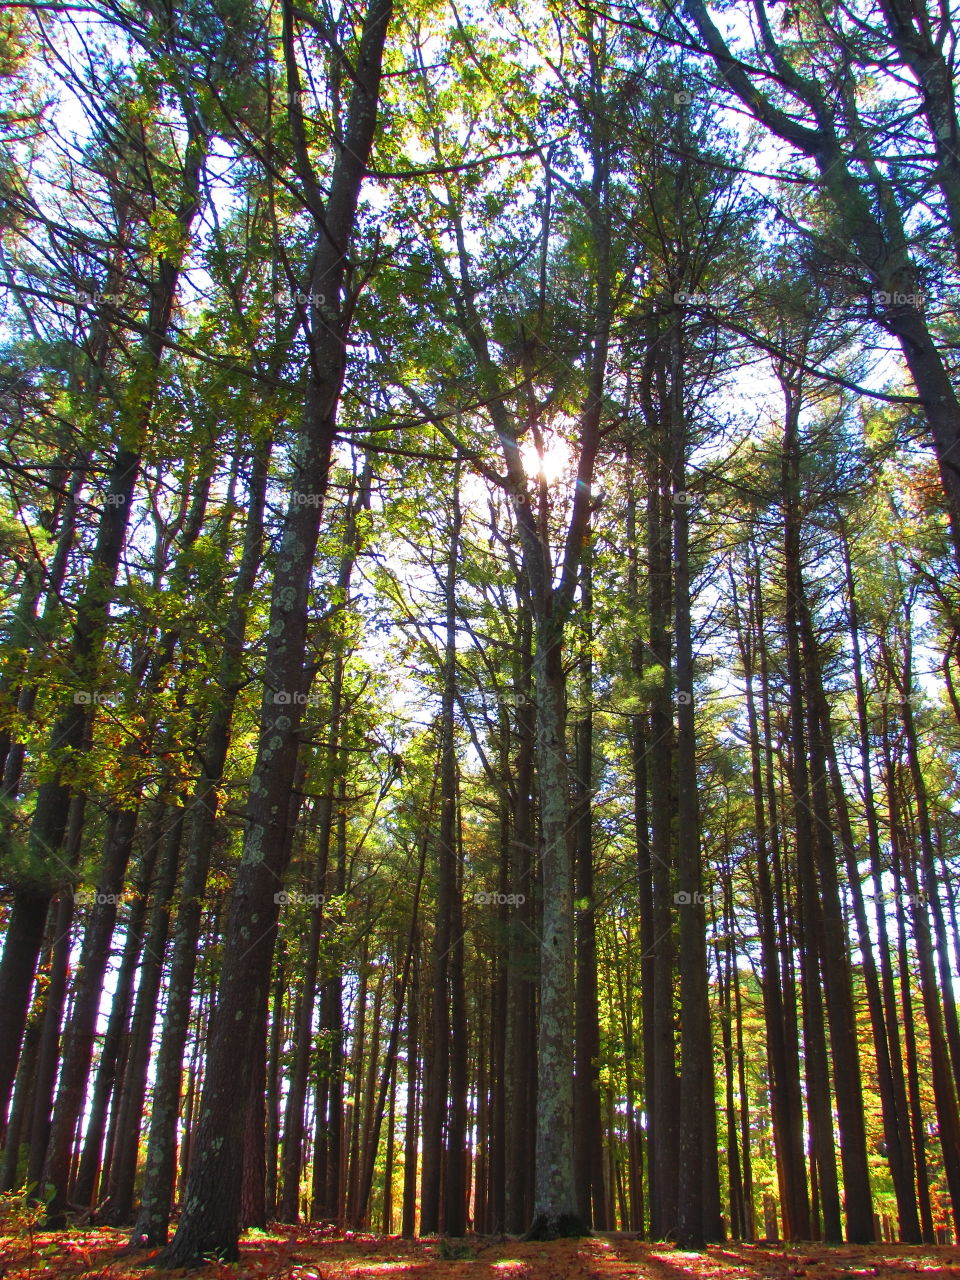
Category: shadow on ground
[308,1254]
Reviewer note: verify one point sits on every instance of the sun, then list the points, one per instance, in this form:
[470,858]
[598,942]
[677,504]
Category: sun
[554,465]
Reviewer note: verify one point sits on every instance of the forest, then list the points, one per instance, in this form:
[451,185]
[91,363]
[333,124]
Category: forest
[479,629]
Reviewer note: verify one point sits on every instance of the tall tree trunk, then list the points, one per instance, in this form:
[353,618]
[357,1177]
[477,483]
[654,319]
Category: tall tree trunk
[944,1094]
[698,1219]
[272,1087]
[328,1163]
[726,966]
[665,1155]
[588,1149]
[897,1132]
[555,1208]
[835,960]
[23,940]
[48,1055]
[898,1154]
[648,938]
[90,625]
[749,1222]
[499,1015]
[409,1218]
[18,1127]
[555,1202]
[118,1210]
[292,1153]
[149,674]
[386,1226]
[929,883]
[209,1224]
[451,852]
[389,1076]
[444,1129]
[85,1189]
[253,1203]
[160,1171]
[78,1038]
[522,952]
[810,930]
[917,1114]
[783,931]
[360,1051]
[784,1072]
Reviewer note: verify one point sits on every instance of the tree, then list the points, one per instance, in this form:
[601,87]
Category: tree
[210,1219]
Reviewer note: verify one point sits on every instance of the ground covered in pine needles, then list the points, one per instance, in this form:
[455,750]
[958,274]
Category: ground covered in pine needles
[288,1254]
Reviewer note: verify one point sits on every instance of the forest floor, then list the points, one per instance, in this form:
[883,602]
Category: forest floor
[289,1254]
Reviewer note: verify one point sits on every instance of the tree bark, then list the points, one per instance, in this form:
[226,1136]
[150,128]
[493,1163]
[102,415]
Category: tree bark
[118,1210]
[810,924]
[160,1171]
[835,960]
[90,625]
[889,1058]
[272,1085]
[88,1173]
[588,1133]
[522,952]
[451,855]
[292,1151]
[698,1219]
[408,1223]
[786,1115]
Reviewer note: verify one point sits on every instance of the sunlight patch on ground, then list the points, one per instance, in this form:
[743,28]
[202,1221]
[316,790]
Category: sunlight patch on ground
[310,1254]
[391,1268]
[380,1268]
